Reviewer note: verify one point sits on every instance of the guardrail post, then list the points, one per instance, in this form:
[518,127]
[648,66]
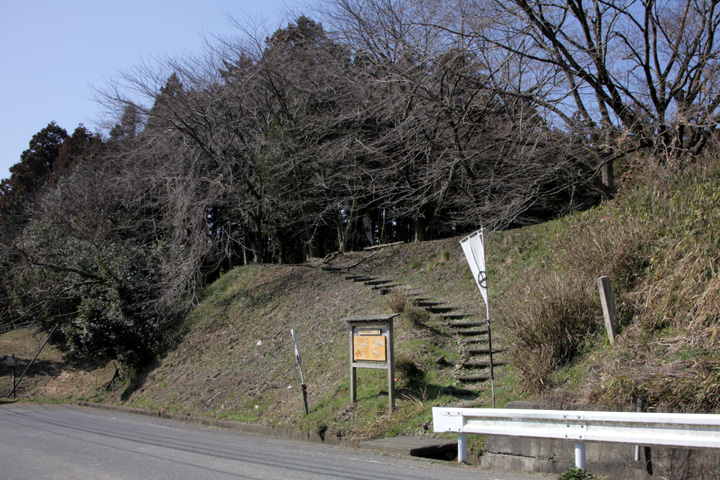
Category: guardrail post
[580,455]
[462,447]
[640,408]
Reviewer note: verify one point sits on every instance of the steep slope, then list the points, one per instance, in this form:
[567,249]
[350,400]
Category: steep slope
[237,360]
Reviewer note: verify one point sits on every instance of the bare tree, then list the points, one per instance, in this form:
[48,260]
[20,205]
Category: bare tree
[459,142]
[635,74]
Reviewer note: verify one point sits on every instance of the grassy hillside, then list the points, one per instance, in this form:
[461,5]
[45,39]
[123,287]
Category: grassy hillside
[237,360]
[657,243]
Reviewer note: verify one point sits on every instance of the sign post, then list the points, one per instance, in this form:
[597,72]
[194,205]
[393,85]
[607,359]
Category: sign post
[302,378]
[372,346]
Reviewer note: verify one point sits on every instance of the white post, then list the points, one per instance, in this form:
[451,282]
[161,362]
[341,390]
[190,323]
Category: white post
[607,301]
[580,455]
[462,447]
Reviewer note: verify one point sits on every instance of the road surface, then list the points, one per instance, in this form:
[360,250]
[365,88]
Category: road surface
[70,442]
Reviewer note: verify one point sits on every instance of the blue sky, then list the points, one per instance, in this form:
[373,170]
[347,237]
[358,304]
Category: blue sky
[54,55]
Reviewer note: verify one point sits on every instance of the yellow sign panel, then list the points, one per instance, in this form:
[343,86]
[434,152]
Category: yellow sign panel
[369,348]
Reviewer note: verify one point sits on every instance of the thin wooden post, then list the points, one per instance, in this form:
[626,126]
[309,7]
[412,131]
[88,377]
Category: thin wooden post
[608,306]
[391,366]
[14,382]
[302,377]
[353,372]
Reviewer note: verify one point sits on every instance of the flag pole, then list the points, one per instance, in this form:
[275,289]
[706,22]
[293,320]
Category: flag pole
[487,317]
[490,349]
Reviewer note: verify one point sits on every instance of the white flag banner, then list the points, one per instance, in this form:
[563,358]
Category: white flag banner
[474,248]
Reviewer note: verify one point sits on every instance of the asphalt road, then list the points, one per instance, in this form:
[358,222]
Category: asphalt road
[69,442]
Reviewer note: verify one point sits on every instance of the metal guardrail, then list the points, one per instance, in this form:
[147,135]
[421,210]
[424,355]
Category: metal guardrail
[669,429]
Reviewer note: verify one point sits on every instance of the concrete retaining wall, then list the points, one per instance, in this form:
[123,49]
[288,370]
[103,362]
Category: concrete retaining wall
[612,460]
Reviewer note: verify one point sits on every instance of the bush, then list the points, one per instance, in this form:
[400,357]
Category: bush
[102,295]
[557,317]
[398,301]
[115,318]
[407,373]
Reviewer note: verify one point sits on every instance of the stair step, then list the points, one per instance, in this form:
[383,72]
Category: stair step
[428,303]
[440,308]
[455,315]
[361,279]
[473,378]
[473,331]
[466,323]
[482,351]
[419,299]
[483,363]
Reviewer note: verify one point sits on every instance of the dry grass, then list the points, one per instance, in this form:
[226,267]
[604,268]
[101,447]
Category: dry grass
[398,301]
[557,317]
[659,245]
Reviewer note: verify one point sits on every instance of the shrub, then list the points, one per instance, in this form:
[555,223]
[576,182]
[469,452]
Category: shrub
[407,373]
[398,301]
[115,318]
[415,316]
[103,296]
[557,317]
